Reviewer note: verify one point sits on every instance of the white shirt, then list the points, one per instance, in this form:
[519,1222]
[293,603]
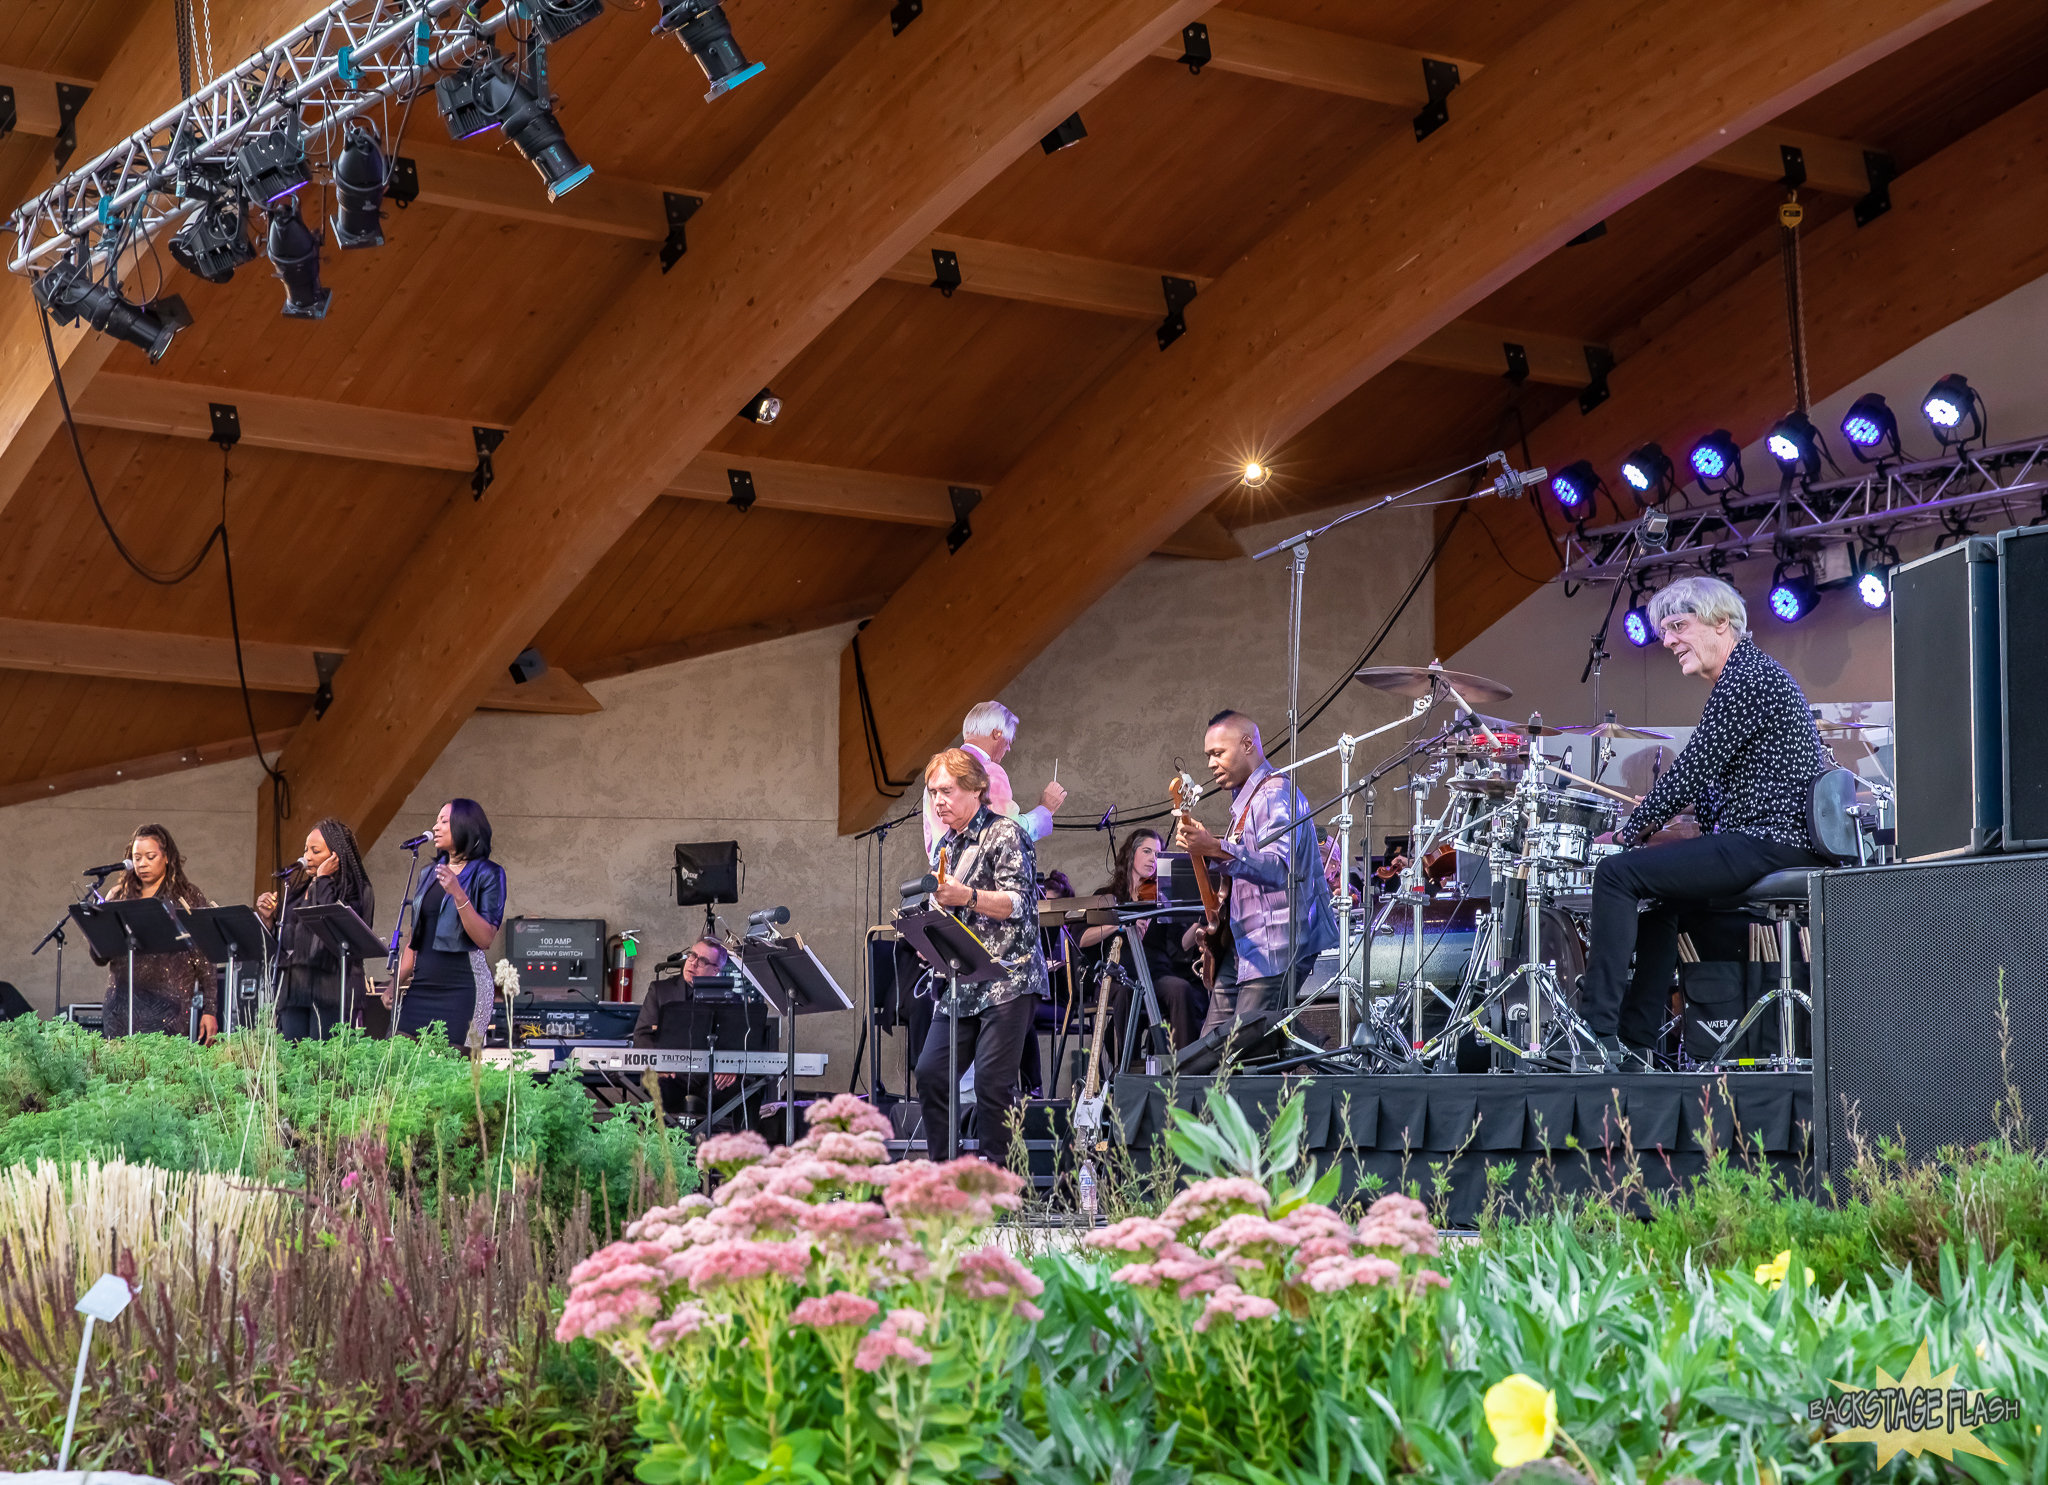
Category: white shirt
[1037,822]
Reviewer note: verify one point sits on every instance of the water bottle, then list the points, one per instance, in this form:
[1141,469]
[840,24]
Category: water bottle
[1087,1183]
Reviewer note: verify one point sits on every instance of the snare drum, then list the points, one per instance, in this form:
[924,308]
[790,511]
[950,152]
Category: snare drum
[1557,841]
[1596,814]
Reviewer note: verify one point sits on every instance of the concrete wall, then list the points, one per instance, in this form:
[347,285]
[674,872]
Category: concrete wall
[586,810]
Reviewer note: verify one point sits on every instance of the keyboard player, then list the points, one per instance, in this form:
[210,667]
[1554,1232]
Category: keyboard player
[671,1012]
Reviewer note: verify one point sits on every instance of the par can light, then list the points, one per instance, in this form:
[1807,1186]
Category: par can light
[1718,457]
[1870,424]
[1795,443]
[1574,484]
[1948,405]
[1637,626]
[1793,594]
[1648,472]
[1872,589]
[763,408]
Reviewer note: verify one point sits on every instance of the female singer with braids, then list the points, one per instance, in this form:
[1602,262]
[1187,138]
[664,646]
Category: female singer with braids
[309,997]
[442,974]
[164,983]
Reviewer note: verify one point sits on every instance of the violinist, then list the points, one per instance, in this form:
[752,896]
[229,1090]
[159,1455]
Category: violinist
[1169,956]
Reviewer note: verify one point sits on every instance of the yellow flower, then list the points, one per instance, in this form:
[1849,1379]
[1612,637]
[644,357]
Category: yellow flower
[1773,1273]
[1523,1416]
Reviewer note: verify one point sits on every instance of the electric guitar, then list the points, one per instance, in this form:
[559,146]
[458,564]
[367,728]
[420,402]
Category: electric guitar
[1088,1110]
[1185,794]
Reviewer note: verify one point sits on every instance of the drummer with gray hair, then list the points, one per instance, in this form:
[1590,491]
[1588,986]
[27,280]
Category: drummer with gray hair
[1746,774]
[987,733]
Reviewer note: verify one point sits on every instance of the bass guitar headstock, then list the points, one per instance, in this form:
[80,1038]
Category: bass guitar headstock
[1184,792]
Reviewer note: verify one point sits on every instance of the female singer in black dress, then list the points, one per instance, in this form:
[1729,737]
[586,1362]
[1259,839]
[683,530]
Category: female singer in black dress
[164,983]
[309,996]
[443,975]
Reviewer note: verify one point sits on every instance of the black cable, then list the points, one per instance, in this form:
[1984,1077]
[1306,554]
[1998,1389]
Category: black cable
[878,760]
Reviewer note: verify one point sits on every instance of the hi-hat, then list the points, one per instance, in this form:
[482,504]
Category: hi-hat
[1418,680]
[1614,730]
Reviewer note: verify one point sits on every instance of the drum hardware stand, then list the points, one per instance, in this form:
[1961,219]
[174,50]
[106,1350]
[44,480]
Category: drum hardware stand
[1782,995]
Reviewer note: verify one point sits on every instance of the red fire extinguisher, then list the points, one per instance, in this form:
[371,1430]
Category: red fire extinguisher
[626,947]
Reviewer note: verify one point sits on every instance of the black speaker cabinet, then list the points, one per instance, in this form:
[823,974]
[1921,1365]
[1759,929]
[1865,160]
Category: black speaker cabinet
[2023,665]
[1945,697]
[1910,963]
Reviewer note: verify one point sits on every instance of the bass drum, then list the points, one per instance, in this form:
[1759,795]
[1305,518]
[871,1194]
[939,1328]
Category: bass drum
[1450,931]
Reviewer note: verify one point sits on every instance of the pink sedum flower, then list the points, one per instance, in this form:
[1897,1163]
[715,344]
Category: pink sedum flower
[851,1224]
[992,1266]
[742,1260]
[879,1348]
[728,1152]
[1132,1235]
[1024,1309]
[1247,1230]
[1329,1275]
[1233,1304]
[840,1307]
[847,1114]
[761,1212]
[853,1149]
[1208,1202]
[687,1320]
[1428,1278]
[967,1191]
[1399,1223]
[905,1321]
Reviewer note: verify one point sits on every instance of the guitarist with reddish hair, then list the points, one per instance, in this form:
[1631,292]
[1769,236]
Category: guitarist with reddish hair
[1252,954]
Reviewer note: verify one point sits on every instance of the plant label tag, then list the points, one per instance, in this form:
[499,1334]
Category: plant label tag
[107,1298]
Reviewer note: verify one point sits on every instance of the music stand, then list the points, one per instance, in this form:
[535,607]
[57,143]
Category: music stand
[789,977]
[337,923]
[130,926]
[227,935]
[955,954]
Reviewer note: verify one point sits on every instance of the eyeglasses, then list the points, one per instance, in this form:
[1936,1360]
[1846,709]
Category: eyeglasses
[699,961]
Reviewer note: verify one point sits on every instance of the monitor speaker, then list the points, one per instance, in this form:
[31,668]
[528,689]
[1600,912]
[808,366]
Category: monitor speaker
[1911,1043]
[2023,663]
[1945,691]
[707,872]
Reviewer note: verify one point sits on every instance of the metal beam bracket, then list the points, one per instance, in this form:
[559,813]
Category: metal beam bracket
[742,482]
[902,13]
[404,186]
[1882,172]
[1180,293]
[1793,158]
[227,424]
[680,209]
[1195,53]
[1599,361]
[70,98]
[487,441]
[965,499]
[1439,79]
[1592,234]
[325,664]
[1518,361]
[946,263]
[7,114]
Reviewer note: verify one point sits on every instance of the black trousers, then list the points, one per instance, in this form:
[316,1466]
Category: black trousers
[1234,999]
[993,1041]
[310,1022]
[1679,876]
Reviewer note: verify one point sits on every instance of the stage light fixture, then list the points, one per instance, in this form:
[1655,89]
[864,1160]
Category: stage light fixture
[462,108]
[555,19]
[215,242]
[1648,472]
[488,96]
[1872,588]
[1948,404]
[1637,626]
[68,292]
[1255,474]
[1870,423]
[763,408]
[295,254]
[359,176]
[1795,443]
[1574,484]
[701,26]
[1718,457]
[1793,594]
[273,165]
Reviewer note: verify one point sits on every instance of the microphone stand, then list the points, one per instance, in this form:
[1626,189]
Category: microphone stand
[56,936]
[880,835]
[406,905]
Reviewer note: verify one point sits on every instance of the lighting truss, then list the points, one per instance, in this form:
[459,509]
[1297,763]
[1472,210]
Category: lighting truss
[1898,497]
[352,57]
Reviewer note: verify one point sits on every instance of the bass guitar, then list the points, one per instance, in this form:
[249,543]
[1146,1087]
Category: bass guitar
[1185,794]
[1088,1110]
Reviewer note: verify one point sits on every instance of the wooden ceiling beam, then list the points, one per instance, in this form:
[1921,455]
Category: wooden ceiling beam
[156,765]
[1411,237]
[206,660]
[902,131]
[35,98]
[1870,295]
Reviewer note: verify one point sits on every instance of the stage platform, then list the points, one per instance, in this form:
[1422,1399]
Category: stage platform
[1580,1128]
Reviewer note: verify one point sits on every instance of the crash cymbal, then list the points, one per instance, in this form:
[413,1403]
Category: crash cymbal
[1415,680]
[1613,730]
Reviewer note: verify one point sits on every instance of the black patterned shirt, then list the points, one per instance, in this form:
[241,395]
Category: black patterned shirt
[993,854]
[1751,763]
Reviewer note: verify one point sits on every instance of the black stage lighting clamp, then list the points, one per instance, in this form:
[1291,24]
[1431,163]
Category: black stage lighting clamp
[1518,361]
[679,209]
[1195,53]
[403,188]
[965,499]
[1794,160]
[1180,293]
[1599,362]
[325,664]
[7,114]
[70,98]
[946,264]
[1882,172]
[487,441]
[1439,79]
[227,424]
[902,13]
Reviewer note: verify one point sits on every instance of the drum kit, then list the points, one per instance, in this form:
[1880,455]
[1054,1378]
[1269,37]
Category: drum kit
[1473,959]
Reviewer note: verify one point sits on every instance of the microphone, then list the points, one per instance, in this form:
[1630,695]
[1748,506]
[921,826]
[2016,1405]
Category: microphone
[416,842]
[278,876]
[767,916]
[1108,819]
[107,871]
[923,886]
[1509,483]
[1653,531]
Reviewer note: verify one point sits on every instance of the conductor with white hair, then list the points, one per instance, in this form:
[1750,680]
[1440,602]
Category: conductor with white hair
[988,733]
[1747,774]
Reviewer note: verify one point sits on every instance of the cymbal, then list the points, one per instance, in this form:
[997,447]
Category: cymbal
[1416,680]
[1613,730]
[1847,727]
